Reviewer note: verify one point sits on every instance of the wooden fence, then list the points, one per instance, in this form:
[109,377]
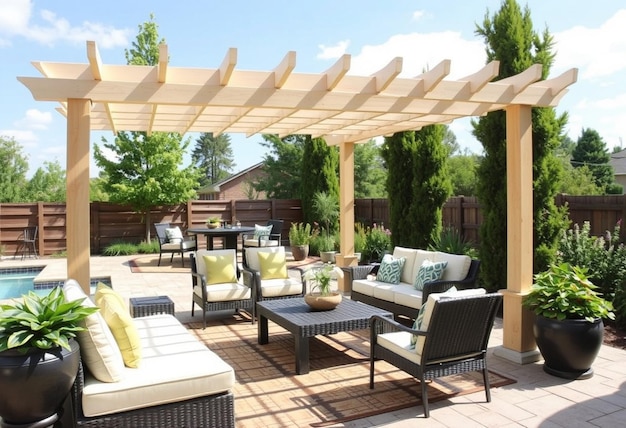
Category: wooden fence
[111,223]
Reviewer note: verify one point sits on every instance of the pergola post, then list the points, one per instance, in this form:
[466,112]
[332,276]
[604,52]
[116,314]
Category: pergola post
[77,205]
[518,343]
[346,255]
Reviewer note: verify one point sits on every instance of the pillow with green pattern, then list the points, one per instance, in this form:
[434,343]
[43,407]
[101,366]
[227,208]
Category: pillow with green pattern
[428,272]
[417,325]
[390,269]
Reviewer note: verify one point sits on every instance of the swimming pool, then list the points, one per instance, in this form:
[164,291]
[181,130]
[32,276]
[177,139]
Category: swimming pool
[15,282]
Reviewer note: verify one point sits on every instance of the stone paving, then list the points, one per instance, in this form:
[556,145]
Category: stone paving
[535,400]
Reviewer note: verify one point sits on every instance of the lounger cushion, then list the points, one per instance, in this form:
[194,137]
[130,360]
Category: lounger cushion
[115,312]
[175,367]
[98,348]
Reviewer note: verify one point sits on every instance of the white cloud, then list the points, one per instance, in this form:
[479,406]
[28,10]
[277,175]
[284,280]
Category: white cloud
[16,20]
[333,52]
[26,139]
[417,15]
[421,52]
[35,119]
[597,52]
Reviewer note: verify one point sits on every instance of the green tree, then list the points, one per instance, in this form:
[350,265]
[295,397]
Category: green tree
[282,166]
[510,38]
[398,154]
[213,156]
[47,184]
[431,185]
[144,170]
[96,189]
[591,151]
[463,173]
[13,170]
[369,171]
[578,181]
[320,165]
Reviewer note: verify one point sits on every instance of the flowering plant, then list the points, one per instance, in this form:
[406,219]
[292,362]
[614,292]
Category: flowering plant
[320,277]
[377,243]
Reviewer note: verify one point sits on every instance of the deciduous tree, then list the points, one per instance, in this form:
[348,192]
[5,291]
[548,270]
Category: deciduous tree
[14,165]
[282,166]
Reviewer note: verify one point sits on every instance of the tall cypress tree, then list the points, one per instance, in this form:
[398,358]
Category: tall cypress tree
[591,151]
[320,164]
[431,185]
[510,38]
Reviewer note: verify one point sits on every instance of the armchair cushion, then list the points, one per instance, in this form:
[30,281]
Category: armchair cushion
[428,272]
[273,265]
[115,313]
[390,269]
[220,268]
[174,235]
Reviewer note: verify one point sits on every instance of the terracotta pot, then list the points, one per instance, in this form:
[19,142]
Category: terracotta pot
[318,302]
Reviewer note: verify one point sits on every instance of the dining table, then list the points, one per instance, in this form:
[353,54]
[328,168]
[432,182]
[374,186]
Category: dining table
[229,234]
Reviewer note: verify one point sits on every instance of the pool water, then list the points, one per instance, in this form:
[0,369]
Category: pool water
[15,282]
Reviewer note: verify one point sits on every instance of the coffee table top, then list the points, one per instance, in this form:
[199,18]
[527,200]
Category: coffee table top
[295,314]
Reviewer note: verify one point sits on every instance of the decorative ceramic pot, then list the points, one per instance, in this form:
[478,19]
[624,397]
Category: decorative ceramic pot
[300,252]
[34,385]
[569,347]
[327,256]
[319,302]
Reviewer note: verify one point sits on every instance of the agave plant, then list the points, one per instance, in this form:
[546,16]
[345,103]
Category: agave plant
[41,322]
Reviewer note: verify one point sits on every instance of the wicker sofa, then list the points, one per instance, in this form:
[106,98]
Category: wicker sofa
[403,298]
[179,382]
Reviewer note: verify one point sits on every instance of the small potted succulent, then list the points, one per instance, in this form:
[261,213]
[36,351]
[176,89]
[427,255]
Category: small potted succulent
[568,325]
[319,277]
[38,354]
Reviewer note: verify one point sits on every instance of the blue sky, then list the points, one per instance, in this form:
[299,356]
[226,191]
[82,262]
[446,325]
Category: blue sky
[588,35]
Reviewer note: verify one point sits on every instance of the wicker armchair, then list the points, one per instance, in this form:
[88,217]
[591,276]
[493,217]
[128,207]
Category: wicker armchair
[177,245]
[452,339]
[217,296]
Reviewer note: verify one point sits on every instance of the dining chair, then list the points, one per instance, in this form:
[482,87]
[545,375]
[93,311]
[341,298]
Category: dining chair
[29,242]
[172,241]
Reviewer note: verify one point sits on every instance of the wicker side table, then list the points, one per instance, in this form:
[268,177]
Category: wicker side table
[150,305]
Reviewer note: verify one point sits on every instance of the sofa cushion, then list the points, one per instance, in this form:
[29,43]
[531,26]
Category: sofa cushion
[409,254]
[175,367]
[115,312]
[458,266]
[390,269]
[429,272]
[98,348]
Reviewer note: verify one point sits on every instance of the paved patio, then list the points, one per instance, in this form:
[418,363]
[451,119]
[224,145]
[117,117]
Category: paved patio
[535,400]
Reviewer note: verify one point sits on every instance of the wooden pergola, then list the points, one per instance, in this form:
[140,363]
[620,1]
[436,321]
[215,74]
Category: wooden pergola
[344,109]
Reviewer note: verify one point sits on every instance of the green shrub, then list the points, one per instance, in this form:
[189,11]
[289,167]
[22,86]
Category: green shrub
[148,248]
[450,241]
[360,236]
[377,243]
[120,249]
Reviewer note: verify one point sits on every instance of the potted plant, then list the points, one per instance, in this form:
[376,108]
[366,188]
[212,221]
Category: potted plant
[568,326]
[213,222]
[39,356]
[300,236]
[326,208]
[324,298]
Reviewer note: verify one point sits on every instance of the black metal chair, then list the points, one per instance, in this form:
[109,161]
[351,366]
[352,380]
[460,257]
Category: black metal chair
[271,239]
[452,339]
[173,246]
[29,242]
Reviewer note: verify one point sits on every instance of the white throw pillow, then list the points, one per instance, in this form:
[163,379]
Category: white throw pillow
[98,348]
[174,235]
[262,232]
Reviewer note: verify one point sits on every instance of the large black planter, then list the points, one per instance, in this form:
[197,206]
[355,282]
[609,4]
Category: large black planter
[33,386]
[569,347]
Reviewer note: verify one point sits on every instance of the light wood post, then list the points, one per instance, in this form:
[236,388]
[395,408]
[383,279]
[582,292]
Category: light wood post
[518,341]
[346,255]
[77,216]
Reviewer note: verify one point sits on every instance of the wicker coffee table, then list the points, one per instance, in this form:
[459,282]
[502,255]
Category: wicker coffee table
[297,317]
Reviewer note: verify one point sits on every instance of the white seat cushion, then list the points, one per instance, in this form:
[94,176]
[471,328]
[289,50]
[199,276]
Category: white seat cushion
[225,292]
[175,366]
[399,342]
[407,295]
[186,245]
[364,286]
[280,287]
[263,242]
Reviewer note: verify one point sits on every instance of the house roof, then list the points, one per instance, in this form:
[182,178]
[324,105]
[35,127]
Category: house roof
[618,162]
[215,187]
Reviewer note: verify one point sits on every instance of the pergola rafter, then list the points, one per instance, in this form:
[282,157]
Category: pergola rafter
[342,108]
